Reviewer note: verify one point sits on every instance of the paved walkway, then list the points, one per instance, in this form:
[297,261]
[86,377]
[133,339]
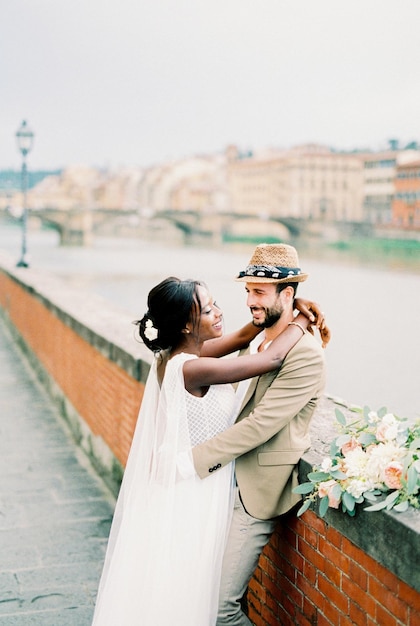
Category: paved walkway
[55,513]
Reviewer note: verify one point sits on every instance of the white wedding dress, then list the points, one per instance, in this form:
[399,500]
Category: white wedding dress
[165,549]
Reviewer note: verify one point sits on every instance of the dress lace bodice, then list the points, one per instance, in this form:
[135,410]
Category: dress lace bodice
[211,414]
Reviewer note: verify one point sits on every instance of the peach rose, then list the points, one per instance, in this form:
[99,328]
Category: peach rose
[326,489]
[349,446]
[393,472]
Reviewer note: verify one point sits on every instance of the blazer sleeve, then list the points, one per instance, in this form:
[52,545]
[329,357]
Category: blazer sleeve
[294,385]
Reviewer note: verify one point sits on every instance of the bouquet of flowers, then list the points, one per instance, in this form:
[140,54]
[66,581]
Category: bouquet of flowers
[375,458]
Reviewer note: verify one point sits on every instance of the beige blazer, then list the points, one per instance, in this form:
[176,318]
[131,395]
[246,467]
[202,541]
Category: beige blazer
[271,432]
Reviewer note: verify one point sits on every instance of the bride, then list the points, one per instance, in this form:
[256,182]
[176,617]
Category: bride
[168,534]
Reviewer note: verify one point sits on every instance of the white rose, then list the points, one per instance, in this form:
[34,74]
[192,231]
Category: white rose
[326,464]
[373,417]
[355,462]
[357,487]
[379,457]
[388,428]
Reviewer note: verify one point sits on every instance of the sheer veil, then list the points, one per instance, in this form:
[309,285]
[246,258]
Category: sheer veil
[169,529]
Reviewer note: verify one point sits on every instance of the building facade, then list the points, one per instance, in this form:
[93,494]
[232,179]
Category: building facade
[306,182]
[379,170]
[406,202]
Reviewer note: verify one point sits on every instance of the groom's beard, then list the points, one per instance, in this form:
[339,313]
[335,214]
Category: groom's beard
[270,318]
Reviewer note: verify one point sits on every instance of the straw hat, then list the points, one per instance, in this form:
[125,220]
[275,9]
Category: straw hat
[273,263]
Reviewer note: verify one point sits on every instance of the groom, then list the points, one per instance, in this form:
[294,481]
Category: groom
[271,432]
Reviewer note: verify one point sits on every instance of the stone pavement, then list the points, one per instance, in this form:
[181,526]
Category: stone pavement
[55,513]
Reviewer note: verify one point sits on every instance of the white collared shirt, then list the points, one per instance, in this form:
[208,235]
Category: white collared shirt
[243,385]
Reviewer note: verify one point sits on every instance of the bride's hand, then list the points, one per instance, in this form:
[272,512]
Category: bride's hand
[324,332]
[312,311]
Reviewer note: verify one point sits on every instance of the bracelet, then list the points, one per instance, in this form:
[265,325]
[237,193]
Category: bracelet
[299,325]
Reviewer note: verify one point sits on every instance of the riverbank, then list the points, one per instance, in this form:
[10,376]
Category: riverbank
[373,252]
[379,252]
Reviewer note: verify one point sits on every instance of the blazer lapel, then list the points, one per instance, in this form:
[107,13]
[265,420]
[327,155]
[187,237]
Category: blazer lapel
[250,391]
[256,389]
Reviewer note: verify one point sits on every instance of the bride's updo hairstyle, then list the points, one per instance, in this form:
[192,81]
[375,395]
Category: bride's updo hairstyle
[171,305]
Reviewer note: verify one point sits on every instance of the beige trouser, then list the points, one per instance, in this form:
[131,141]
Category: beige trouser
[246,540]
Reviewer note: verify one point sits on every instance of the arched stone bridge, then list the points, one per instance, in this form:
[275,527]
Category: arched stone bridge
[78,226]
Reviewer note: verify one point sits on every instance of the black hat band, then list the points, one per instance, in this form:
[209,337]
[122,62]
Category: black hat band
[270,271]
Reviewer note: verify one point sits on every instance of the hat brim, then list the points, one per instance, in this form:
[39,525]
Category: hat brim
[262,279]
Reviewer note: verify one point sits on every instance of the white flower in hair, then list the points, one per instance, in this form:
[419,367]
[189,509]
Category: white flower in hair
[150,331]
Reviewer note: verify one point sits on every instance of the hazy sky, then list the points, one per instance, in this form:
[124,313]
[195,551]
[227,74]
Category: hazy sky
[136,82]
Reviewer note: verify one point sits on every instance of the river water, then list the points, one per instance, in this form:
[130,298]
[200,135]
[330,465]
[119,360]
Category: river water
[372,303]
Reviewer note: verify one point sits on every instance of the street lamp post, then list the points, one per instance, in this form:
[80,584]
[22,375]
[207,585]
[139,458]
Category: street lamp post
[25,138]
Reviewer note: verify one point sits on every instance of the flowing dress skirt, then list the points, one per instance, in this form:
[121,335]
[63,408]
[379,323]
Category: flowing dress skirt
[169,531]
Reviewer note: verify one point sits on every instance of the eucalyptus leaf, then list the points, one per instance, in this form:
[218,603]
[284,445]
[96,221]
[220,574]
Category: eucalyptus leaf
[408,459]
[342,439]
[338,474]
[371,496]
[323,506]
[304,488]
[317,477]
[334,449]
[390,500]
[305,506]
[392,496]
[412,477]
[401,506]
[336,492]
[366,411]
[376,507]
[349,501]
[367,438]
[341,418]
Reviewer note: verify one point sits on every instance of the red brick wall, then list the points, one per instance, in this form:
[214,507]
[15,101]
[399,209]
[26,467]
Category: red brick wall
[103,394]
[311,575]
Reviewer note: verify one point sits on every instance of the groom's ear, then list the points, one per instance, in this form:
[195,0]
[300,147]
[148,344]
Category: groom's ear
[288,293]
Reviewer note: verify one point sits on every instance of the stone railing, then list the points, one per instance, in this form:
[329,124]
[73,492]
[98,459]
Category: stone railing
[336,570]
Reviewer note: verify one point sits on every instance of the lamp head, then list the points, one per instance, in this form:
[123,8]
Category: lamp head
[25,138]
